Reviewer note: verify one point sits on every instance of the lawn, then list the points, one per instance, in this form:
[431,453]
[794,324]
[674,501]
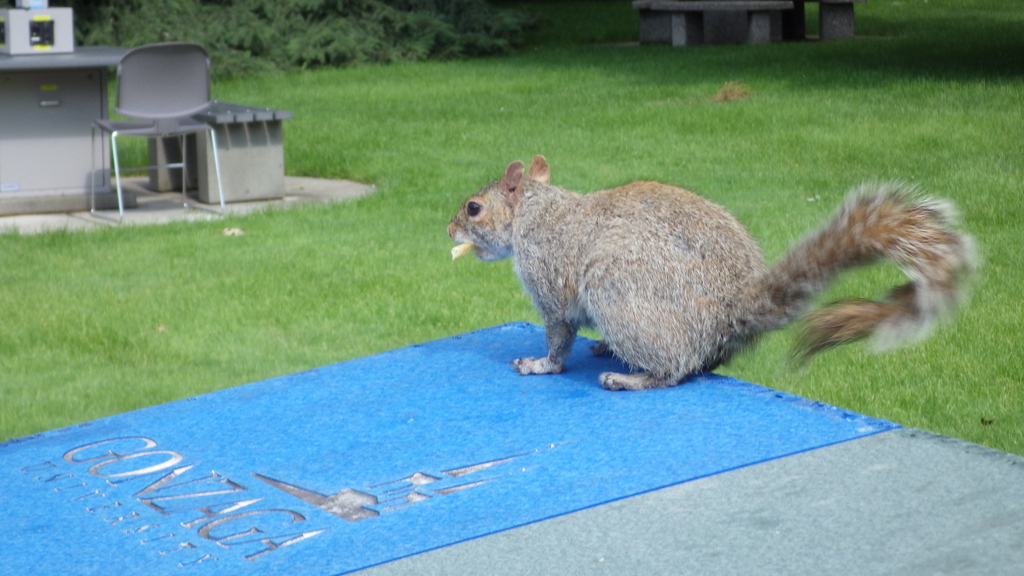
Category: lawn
[96,323]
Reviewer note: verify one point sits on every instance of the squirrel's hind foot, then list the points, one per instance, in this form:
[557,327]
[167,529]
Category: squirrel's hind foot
[644,381]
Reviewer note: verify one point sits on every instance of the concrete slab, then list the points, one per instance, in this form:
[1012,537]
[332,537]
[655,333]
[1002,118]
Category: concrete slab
[901,503]
[160,207]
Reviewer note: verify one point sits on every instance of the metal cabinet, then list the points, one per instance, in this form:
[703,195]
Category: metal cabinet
[47,107]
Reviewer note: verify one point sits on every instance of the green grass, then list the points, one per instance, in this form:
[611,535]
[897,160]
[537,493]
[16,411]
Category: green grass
[101,322]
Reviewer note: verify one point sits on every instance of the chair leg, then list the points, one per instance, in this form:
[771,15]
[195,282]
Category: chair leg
[92,172]
[117,176]
[184,170]
[216,168]
[93,211]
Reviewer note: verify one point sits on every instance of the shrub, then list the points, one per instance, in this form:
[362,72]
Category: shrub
[258,35]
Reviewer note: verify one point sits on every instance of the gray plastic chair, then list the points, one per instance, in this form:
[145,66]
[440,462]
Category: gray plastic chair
[161,86]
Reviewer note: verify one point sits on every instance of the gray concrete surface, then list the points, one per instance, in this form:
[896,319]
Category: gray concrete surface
[160,207]
[905,503]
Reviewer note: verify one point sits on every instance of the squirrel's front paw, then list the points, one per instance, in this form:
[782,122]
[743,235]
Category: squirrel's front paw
[537,366]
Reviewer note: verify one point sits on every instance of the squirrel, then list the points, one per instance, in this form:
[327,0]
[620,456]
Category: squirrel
[676,285]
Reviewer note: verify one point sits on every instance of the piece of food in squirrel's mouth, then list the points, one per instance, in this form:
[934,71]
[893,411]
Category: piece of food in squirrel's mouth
[462,250]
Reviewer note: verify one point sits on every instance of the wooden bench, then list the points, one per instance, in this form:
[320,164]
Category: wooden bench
[681,23]
[835,20]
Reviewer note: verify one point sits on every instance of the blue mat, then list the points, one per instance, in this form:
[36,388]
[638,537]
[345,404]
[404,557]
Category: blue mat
[354,464]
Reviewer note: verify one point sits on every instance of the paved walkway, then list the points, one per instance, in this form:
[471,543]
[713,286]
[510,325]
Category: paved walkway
[160,207]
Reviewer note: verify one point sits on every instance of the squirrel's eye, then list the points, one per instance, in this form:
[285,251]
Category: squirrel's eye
[473,209]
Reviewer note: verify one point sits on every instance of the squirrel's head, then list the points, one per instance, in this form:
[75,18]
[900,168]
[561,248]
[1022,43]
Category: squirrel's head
[485,218]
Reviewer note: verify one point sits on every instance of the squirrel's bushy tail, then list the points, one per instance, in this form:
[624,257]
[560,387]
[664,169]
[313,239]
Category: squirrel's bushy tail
[875,221]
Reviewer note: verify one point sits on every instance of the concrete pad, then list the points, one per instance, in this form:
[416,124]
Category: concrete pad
[32,223]
[900,503]
[150,207]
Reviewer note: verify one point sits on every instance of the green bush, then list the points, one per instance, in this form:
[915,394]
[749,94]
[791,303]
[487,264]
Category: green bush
[245,36]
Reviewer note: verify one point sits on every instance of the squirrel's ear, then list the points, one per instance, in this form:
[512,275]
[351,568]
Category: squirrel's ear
[539,170]
[513,177]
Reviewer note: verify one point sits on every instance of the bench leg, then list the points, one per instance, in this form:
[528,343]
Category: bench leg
[759,27]
[687,28]
[835,21]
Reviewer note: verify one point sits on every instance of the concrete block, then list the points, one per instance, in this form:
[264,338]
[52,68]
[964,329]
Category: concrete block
[759,27]
[835,21]
[251,158]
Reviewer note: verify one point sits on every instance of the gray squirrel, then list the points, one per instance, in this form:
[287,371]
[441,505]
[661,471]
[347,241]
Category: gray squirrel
[676,285]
